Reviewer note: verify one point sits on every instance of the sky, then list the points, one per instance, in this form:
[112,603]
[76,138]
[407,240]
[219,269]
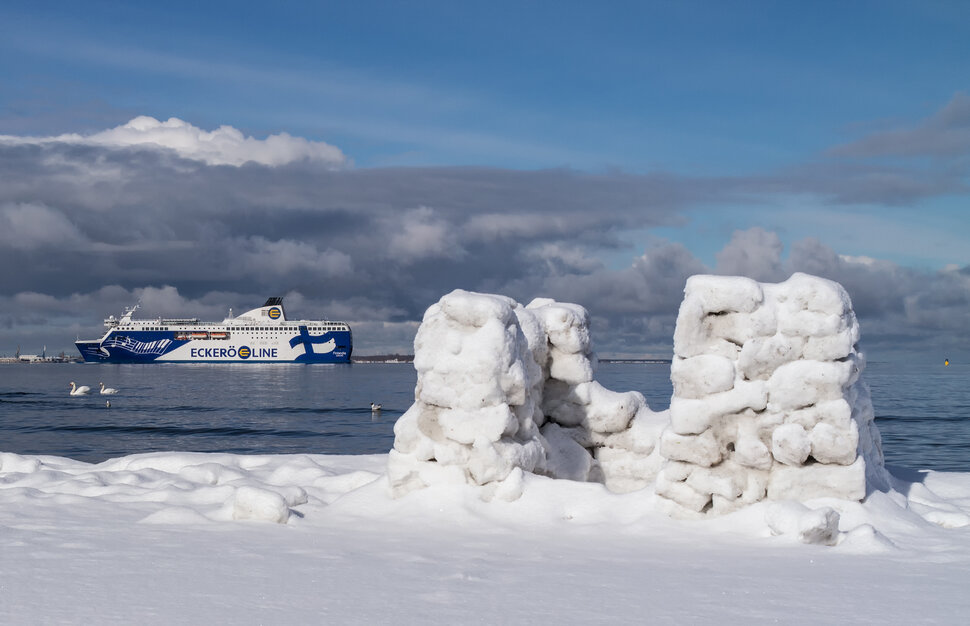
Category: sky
[363,159]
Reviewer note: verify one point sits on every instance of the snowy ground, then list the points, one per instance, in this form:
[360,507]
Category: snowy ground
[191,538]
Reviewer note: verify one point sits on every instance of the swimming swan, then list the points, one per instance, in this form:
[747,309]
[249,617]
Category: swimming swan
[105,391]
[79,391]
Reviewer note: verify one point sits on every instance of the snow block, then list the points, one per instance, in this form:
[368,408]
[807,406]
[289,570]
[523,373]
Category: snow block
[692,416]
[846,482]
[700,376]
[768,399]
[724,294]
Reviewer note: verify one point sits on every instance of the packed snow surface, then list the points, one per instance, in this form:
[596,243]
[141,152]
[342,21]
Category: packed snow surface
[169,538]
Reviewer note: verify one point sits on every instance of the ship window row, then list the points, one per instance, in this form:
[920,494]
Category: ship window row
[257,328]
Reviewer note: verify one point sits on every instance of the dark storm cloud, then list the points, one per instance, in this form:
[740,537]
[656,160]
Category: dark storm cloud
[368,245]
[146,217]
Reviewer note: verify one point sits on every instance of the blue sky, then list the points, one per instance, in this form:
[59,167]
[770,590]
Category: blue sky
[841,122]
[686,86]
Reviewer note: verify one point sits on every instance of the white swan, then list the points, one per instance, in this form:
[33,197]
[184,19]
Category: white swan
[105,391]
[375,407]
[79,391]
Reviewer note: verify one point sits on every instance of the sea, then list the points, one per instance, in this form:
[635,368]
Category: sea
[922,411]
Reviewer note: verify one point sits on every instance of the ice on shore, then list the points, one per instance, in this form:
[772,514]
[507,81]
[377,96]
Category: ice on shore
[768,400]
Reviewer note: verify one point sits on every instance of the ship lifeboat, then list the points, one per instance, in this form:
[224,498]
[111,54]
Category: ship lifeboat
[219,335]
[198,335]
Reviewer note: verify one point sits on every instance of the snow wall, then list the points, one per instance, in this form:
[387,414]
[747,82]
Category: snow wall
[768,397]
[767,403]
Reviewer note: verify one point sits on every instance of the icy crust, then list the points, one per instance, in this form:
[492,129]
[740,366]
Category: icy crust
[768,399]
[504,389]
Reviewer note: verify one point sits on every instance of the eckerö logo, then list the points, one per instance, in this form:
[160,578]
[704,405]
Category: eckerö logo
[274,313]
[244,352]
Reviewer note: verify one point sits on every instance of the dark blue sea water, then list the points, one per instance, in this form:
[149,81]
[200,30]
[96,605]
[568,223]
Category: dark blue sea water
[923,412]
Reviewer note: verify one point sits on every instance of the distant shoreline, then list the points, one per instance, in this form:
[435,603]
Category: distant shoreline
[12,359]
[409,358]
[377,358]
[383,358]
[646,361]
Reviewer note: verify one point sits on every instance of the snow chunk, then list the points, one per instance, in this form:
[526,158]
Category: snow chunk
[819,526]
[253,503]
[566,325]
[834,445]
[790,444]
[806,383]
[847,482]
[701,376]
[723,294]
[565,457]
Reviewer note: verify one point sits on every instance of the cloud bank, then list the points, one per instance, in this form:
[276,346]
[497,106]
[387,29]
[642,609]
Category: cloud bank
[193,223]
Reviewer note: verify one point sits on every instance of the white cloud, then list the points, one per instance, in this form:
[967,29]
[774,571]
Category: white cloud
[565,256]
[422,234]
[224,146]
[277,258]
[493,226]
[755,253]
[31,226]
[861,260]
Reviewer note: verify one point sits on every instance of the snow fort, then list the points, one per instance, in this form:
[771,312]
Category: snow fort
[768,400]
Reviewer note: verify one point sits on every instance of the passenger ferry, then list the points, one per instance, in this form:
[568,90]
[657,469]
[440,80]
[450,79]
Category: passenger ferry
[262,335]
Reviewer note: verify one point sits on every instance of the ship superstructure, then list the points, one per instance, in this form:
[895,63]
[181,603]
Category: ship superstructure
[261,335]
